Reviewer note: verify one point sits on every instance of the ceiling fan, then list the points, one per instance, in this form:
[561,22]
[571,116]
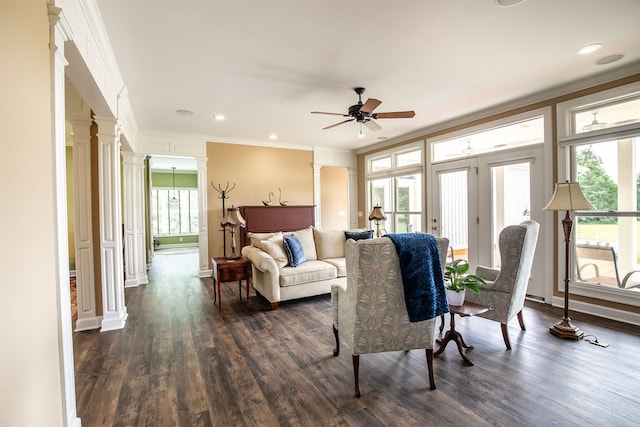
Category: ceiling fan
[363,113]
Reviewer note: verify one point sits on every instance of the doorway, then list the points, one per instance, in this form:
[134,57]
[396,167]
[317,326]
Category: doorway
[474,198]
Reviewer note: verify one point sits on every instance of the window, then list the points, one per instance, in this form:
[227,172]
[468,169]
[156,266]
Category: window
[394,181]
[526,132]
[600,135]
[174,217]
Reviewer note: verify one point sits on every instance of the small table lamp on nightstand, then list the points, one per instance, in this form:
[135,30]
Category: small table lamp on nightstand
[233,221]
[377,216]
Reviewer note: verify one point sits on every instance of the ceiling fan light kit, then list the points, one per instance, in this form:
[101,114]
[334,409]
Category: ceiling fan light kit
[363,113]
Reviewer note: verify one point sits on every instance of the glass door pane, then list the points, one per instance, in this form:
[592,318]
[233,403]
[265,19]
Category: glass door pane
[454,212]
[510,200]
[454,209]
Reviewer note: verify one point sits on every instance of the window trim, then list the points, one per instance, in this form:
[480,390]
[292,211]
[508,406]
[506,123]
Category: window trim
[154,214]
[568,171]
[393,173]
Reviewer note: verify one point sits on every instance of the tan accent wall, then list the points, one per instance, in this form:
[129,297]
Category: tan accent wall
[30,359]
[548,103]
[334,188]
[255,171]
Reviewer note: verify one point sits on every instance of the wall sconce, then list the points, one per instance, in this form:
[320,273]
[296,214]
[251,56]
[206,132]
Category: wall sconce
[233,221]
[377,216]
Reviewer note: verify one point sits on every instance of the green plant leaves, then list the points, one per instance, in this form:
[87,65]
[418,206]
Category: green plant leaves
[458,279]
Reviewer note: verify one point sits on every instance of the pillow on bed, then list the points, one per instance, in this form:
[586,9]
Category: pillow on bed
[293,248]
[275,247]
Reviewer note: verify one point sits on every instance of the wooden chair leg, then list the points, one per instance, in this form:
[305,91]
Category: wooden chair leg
[521,321]
[274,306]
[336,351]
[441,323]
[505,335]
[355,358]
[432,381]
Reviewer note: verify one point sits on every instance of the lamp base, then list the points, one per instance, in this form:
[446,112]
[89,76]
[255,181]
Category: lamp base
[564,329]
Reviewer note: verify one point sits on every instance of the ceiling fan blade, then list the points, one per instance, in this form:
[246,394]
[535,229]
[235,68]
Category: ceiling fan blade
[372,126]
[370,105]
[395,115]
[338,124]
[332,114]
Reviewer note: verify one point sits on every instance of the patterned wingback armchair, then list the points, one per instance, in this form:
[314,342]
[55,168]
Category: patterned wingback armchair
[507,287]
[370,314]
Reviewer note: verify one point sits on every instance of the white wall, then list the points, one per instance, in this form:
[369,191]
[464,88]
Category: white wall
[30,367]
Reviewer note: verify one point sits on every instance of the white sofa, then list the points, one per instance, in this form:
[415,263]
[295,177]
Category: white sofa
[277,281]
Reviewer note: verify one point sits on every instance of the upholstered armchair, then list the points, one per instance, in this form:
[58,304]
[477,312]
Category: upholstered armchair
[506,287]
[370,313]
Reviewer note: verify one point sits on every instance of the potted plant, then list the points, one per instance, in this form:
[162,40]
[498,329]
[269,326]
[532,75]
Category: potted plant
[457,281]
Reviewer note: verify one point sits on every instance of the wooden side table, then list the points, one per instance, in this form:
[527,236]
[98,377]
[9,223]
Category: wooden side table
[465,310]
[230,270]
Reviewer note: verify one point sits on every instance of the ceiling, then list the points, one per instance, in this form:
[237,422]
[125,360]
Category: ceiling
[266,64]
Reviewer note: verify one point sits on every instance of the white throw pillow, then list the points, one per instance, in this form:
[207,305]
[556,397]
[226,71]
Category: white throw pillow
[329,243]
[257,238]
[306,240]
[275,247]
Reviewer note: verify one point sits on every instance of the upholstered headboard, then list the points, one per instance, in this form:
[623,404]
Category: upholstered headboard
[269,219]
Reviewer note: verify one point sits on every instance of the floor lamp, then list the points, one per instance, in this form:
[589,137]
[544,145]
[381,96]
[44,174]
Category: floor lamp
[567,196]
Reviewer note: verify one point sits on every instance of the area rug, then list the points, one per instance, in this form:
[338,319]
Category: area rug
[74,298]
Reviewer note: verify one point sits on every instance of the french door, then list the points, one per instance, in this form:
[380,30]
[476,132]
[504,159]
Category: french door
[474,198]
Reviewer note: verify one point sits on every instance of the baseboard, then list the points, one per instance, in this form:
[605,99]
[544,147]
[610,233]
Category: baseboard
[600,311]
[177,245]
[88,324]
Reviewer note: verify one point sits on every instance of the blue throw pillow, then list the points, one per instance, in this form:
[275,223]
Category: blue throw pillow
[358,235]
[293,248]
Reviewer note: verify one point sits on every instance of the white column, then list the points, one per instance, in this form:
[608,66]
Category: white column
[59,31]
[203,233]
[134,243]
[317,194]
[627,201]
[352,196]
[80,119]
[114,311]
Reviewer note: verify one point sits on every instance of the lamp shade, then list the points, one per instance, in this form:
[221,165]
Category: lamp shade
[376,214]
[233,219]
[567,196]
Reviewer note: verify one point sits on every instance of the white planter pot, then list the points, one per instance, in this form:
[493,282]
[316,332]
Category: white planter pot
[455,298]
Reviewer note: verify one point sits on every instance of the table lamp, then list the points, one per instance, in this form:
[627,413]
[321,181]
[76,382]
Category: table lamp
[377,216]
[567,196]
[233,221]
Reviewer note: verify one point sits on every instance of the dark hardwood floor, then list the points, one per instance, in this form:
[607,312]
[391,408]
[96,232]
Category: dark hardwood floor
[180,363]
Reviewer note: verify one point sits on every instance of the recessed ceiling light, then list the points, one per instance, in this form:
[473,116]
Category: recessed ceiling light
[273,136]
[609,59]
[185,112]
[508,3]
[590,48]
[383,137]
[219,117]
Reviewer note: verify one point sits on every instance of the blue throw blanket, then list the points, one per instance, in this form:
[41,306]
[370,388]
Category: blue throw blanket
[421,275]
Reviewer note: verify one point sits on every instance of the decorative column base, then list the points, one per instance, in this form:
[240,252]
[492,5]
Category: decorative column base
[564,329]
